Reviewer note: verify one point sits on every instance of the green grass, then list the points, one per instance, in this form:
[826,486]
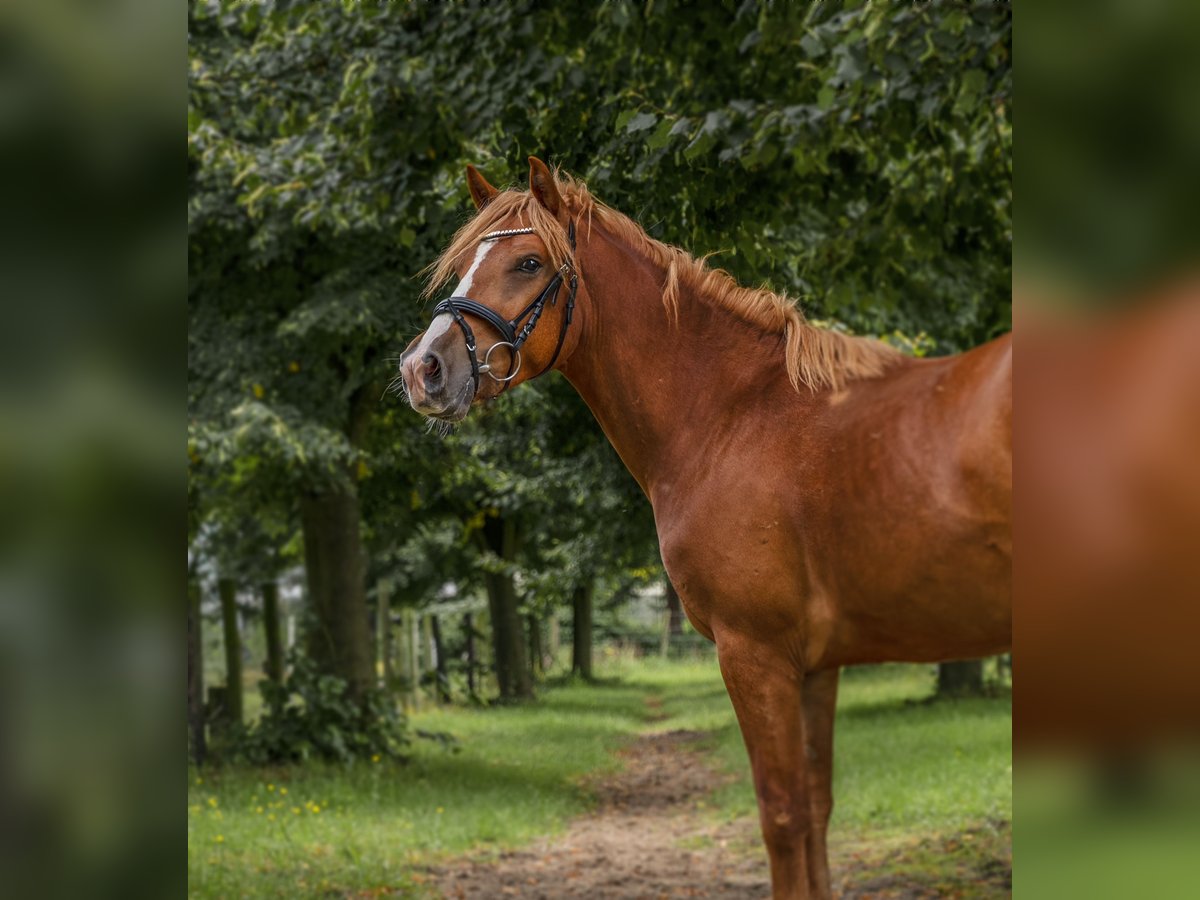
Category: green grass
[900,764]
[519,773]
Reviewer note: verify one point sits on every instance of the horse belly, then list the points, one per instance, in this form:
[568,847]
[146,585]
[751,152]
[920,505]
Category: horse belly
[947,598]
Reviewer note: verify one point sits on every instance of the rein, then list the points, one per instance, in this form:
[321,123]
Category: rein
[514,339]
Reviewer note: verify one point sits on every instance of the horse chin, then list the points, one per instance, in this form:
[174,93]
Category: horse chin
[454,411]
[451,416]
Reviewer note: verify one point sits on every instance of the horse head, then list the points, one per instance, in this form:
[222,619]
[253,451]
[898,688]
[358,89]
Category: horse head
[508,318]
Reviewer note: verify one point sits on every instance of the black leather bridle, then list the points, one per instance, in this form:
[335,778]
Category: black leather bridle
[514,339]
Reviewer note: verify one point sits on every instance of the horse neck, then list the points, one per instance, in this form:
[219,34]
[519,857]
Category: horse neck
[661,389]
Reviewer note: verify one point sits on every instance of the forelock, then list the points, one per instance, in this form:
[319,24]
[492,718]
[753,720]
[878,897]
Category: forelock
[508,209]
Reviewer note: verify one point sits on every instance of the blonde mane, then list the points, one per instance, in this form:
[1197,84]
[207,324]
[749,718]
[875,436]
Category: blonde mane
[816,358]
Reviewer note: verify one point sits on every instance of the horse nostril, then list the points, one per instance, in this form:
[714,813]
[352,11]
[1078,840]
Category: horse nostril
[433,367]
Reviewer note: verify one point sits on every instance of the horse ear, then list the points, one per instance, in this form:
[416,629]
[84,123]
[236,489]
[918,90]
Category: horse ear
[481,192]
[544,186]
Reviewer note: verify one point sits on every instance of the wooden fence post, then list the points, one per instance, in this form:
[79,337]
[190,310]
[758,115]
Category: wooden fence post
[271,630]
[554,639]
[413,657]
[442,676]
[469,624]
[383,629]
[428,650]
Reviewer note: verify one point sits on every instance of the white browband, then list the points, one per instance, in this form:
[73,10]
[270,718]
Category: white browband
[507,232]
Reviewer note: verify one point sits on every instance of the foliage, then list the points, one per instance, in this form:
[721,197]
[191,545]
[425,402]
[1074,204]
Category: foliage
[859,154]
[856,155]
[312,716]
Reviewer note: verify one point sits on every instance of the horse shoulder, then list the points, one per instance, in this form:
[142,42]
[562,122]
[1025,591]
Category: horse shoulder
[728,541]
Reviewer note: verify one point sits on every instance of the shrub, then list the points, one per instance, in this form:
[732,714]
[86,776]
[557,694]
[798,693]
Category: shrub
[314,715]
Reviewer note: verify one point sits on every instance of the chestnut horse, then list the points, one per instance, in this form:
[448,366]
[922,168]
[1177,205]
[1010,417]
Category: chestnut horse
[820,499]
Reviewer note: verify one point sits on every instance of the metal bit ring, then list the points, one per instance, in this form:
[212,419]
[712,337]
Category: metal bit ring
[487,362]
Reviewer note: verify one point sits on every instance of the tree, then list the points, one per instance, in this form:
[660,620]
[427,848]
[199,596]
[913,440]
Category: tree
[500,537]
[287,323]
[195,659]
[963,678]
[582,607]
[231,631]
[272,632]
[868,173]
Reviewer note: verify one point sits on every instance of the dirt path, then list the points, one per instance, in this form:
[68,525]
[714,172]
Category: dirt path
[630,845]
[648,838]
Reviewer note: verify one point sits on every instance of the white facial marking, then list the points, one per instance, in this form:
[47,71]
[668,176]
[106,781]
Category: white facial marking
[480,252]
[441,324]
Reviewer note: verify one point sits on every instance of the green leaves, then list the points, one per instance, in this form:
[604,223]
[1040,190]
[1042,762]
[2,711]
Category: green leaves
[313,716]
[640,122]
[856,156]
[970,89]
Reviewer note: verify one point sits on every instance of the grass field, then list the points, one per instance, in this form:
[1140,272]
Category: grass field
[906,772]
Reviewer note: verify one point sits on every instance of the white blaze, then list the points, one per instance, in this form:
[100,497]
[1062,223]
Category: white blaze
[480,252]
[441,324]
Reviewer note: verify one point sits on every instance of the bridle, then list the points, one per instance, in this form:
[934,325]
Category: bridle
[514,339]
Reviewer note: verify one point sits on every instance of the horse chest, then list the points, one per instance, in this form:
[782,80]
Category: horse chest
[731,562]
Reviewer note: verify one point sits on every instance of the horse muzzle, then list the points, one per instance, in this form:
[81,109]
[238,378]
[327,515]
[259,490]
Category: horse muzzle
[434,385]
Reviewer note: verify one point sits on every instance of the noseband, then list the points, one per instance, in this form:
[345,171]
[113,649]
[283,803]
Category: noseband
[514,339]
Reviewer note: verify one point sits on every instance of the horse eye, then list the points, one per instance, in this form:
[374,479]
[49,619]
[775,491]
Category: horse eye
[529,265]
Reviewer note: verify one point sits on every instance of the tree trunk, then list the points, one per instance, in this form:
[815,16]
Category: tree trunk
[339,640]
[508,638]
[274,633]
[674,609]
[233,651]
[963,678]
[195,655]
[581,649]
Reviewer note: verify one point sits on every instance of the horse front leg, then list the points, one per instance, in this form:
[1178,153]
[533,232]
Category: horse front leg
[767,691]
[819,702]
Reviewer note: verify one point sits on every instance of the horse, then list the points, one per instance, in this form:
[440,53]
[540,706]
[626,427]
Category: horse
[821,499]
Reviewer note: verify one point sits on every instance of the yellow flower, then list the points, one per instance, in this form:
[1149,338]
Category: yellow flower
[270,787]
[375,758]
[283,792]
[258,391]
[212,801]
[270,817]
[258,809]
[296,810]
[441,810]
[199,781]
[220,838]
[316,809]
